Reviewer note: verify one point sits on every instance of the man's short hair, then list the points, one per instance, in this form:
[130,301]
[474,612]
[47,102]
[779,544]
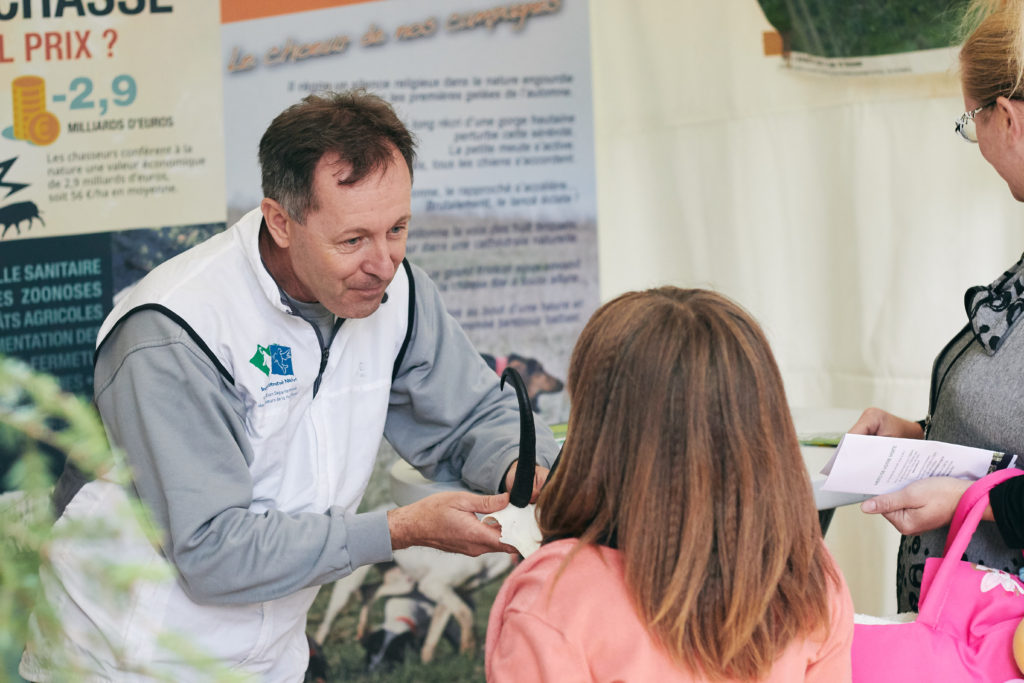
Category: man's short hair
[360,127]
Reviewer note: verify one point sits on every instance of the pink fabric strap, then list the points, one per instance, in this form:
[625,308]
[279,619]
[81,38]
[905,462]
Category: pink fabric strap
[969,512]
[976,491]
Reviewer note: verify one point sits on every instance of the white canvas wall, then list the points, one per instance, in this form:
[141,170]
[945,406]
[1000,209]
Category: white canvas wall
[843,212]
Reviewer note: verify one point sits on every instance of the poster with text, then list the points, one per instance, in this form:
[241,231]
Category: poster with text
[111,160]
[111,116]
[499,98]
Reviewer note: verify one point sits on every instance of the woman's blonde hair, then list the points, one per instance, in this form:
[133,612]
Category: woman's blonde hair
[681,452]
[992,54]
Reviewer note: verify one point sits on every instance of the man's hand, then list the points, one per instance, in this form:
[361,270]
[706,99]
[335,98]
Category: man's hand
[448,521]
[540,475]
[877,422]
[921,505]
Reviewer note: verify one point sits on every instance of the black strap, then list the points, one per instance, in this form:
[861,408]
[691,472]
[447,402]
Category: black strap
[937,381]
[409,325]
[181,322]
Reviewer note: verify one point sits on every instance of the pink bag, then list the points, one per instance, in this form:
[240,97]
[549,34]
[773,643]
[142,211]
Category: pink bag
[967,618]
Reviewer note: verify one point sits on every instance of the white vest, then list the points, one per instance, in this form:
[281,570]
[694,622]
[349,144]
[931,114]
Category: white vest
[308,454]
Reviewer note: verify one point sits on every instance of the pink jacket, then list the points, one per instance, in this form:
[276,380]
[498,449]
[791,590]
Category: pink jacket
[588,630]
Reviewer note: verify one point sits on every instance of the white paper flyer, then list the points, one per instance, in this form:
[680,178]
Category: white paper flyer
[880,464]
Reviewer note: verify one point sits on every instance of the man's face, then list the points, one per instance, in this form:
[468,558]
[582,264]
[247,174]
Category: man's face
[350,248]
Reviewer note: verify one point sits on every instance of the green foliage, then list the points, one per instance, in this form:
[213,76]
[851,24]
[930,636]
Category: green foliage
[861,28]
[37,419]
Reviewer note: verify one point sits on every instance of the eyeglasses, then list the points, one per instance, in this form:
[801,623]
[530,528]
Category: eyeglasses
[965,127]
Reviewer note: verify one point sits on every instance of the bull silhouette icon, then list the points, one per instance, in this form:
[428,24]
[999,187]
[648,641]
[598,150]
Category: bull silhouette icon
[13,215]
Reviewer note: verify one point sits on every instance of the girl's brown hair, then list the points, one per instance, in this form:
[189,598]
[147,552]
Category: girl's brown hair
[682,453]
[992,54]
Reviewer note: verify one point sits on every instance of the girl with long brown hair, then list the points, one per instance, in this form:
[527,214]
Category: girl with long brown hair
[681,539]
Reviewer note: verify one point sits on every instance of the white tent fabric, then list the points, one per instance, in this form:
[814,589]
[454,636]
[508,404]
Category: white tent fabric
[842,211]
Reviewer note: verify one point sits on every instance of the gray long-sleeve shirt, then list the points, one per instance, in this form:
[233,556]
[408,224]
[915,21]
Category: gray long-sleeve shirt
[167,406]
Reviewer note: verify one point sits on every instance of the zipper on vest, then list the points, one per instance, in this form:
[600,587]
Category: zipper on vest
[325,352]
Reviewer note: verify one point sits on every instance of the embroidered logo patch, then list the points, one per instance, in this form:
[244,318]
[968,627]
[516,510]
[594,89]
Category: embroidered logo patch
[273,360]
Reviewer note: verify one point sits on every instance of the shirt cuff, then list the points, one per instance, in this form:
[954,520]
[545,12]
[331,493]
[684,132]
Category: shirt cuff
[504,464]
[369,538]
[1007,501]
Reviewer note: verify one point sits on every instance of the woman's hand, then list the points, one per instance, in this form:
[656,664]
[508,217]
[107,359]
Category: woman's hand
[877,422]
[921,505]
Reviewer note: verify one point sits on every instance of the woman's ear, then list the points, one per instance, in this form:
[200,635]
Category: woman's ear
[1009,119]
[278,222]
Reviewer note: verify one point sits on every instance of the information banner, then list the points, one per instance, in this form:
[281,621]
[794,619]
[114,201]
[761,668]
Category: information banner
[110,116]
[52,302]
[111,161]
[503,206]
[499,98]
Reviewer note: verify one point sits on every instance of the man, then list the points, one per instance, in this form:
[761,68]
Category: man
[249,382]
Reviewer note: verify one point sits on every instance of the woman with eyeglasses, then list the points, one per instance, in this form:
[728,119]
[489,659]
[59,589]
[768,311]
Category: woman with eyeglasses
[977,386]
